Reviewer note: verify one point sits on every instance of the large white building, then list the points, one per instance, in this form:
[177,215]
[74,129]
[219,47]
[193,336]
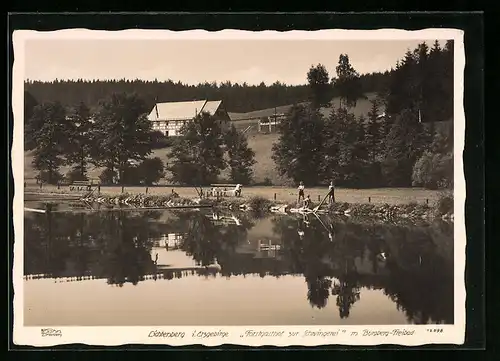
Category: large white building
[169,118]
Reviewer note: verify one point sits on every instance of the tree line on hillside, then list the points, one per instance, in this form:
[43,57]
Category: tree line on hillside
[238,98]
[405,145]
[118,138]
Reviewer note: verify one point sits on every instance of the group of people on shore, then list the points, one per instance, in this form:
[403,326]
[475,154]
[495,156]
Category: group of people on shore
[306,201]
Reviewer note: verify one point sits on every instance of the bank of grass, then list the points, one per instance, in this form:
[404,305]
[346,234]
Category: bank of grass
[279,195]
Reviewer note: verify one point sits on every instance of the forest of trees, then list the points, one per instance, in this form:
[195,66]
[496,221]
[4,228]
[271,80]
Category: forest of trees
[405,140]
[238,98]
[408,144]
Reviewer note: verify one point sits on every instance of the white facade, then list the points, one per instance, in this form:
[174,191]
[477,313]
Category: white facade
[169,128]
[169,118]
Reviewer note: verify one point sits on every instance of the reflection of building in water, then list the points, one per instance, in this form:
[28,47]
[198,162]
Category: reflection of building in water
[224,220]
[262,242]
[266,248]
[170,241]
[260,248]
[166,252]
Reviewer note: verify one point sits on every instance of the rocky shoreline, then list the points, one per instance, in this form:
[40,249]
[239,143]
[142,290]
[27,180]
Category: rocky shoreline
[381,212]
[141,200]
[410,211]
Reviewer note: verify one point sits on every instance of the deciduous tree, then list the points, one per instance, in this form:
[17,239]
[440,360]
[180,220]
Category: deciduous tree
[347,83]
[319,86]
[298,153]
[199,155]
[241,157]
[122,132]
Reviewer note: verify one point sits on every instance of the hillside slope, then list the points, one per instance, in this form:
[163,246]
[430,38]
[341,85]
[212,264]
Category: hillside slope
[243,120]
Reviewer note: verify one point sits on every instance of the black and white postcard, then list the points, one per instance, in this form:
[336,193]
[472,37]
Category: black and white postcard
[295,188]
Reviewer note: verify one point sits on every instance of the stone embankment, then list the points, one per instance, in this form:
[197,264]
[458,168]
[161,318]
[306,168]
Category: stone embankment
[142,200]
[382,212]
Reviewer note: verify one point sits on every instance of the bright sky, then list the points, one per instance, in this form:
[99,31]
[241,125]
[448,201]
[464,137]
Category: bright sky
[196,61]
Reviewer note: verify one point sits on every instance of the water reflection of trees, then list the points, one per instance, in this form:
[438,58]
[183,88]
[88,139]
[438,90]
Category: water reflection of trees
[112,245]
[417,273]
[417,277]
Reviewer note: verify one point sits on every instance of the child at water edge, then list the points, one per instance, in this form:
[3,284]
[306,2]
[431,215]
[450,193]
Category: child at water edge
[237,190]
[301,189]
[331,193]
[307,202]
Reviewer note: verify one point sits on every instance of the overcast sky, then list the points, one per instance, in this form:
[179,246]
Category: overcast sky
[195,61]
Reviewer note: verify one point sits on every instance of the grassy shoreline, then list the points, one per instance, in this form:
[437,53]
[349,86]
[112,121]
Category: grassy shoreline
[441,207]
[275,193]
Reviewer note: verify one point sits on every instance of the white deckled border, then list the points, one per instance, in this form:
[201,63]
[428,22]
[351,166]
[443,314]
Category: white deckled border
[452,334]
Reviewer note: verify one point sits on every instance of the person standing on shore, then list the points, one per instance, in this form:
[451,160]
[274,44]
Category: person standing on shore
[301,192]
[307,202]
[331,193]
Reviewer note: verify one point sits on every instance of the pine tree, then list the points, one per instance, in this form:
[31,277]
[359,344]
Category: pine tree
[80,144]
[30,127]
[345,150]
[403,147]
[422,80]
[51,139]
[404,86]
[373,131]
[448,81]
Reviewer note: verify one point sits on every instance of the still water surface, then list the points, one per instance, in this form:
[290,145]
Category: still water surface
[186,268]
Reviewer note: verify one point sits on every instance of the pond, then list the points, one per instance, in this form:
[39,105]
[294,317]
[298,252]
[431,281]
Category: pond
[139,268]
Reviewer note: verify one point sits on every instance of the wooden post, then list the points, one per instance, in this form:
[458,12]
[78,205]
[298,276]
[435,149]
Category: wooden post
[274,196]
[319,198]
[320,203]
[123,189]
[369,199]
[427,201]
[146,190]
[98,189]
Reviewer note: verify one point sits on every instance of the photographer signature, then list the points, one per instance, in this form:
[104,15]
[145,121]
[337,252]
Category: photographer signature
[51,332]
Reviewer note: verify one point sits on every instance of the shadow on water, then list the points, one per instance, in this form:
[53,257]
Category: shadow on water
[412,265]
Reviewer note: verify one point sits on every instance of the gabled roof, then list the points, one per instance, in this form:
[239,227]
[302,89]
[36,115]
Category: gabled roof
[211,106]
[182,110]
